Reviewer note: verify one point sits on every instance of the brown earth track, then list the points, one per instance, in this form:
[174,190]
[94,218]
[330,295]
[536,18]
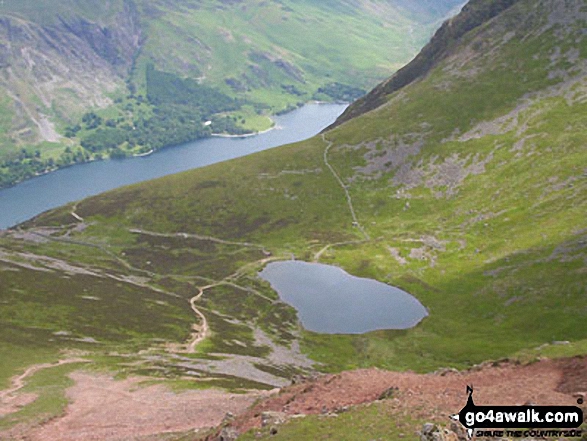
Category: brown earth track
[10,401]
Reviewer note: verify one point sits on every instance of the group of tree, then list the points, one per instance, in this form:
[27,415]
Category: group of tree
[339,92]
[27,164]
[180,108]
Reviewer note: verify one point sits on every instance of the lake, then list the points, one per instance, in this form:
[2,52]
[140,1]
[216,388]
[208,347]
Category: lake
[52,190]
[331,301]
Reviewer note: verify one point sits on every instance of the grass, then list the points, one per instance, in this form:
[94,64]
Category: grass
[368,422]
[493,274]
[556,349]
[16,357]
[37,11]
[250,120]
[233,32]
[49,385]
[43,314]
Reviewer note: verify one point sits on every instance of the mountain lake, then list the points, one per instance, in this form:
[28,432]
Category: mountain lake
[331,301]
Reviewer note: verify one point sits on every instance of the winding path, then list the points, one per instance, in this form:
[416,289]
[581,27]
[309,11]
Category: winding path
[203,330]
[195,236]
[92,245]
[344,188]
[75,215]
[318,255]
[18,382]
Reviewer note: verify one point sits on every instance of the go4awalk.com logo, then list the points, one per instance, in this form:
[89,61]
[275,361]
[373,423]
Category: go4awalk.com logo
[500,421]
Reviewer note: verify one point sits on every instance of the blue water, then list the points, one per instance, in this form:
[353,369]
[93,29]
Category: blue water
[36,195]
[331,301]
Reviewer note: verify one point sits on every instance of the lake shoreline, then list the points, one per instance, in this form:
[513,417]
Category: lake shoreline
[246,135]
[66,184]
[150,152]
[326,301]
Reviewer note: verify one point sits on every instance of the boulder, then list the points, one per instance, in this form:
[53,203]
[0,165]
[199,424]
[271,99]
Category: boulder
[272,418]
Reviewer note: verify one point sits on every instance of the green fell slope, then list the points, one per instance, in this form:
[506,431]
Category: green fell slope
[473,15]
[469,190]
[76,82]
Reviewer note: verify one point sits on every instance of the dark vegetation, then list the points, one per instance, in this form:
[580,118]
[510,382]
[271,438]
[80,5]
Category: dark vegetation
[280,61]
[168,89]
[28,163]
[339,92]
[485,226]
[57,308]
[180,108]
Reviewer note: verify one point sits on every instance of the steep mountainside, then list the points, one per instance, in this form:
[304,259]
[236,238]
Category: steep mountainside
[61,61]
[47,69]
[473,15]
[466,188]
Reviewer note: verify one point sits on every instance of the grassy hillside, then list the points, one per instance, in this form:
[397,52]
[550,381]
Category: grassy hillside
[473,15]
[66,61]
[469,188]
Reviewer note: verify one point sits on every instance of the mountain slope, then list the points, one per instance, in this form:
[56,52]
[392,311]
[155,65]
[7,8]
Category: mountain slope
[469,189]
[62,60]
[473,15]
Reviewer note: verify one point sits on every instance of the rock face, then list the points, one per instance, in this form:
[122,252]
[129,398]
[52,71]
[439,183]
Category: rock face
[117,43]
[431,432]
[61,68]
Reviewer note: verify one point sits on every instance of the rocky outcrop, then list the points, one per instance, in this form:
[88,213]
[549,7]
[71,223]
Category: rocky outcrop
[431,432]
[55,71]
[117,43]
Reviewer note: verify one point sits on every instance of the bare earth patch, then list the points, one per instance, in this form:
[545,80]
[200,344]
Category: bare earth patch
[102,408]
[11,400]
[431,397]
[13,404]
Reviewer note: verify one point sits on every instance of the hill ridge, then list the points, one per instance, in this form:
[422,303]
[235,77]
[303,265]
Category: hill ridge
[474,14]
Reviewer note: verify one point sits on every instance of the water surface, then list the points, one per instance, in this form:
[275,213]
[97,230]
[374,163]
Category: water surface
[331,301]
[52,190]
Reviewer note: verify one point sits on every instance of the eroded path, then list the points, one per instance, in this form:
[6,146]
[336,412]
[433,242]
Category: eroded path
[11,402]
[195,236]
[344,188]
[319,254]
[203,329]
